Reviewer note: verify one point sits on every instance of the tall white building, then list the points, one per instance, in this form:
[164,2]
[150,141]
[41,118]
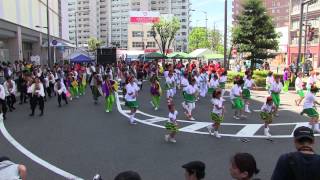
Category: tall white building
[108,20]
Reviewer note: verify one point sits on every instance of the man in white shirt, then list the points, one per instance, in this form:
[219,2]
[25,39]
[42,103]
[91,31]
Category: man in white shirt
[131,98]
[37,96]
[61,91]
[10,91]
[3,101]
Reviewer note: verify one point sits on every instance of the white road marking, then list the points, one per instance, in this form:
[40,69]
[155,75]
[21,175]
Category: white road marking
[249,130]
[194,127]
[32,156]
[299,125]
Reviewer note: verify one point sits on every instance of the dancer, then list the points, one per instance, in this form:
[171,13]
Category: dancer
[246,93]
[3,102]
[236,99]
[74,88]
[61,91]
[203,83]
[189,99]
[269,81]
[172,125]
[312,80]
[184,84]
[217,112]
[10,91]
[108,90]
[286,79]
[155,94]
[275,90]
[267,112]
[310,110]
[37,96]
[131,98]
[299,89]
[213,84]
[222,82]
[170,84]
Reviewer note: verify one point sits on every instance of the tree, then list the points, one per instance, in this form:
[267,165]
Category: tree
[255,32]
[198,39]
[166,29]
[93,44]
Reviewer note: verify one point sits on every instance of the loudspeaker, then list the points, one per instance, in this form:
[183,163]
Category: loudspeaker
[107,56]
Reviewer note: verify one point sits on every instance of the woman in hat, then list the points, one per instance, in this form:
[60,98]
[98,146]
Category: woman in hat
[172,125]
[190,98]
[246,93]
[236,99]
[217,112]
[310,110]
[299,89]
[275,90]
[266,115]
[131,98]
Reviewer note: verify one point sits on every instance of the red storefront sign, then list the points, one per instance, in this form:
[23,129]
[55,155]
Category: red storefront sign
[144,17]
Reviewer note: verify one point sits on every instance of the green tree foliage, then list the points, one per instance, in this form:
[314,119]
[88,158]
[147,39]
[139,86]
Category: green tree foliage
[198,39]
[255,32]
[93,44]
[166,30]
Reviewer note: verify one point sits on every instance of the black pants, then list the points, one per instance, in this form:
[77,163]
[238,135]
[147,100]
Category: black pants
[62,96]
[48,89]
[3,107]
[51,88]
[37,100]
[11,99]
[23,96]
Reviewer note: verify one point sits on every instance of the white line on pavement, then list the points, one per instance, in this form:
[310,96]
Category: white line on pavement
[249,130]
[32,156]
[194,127]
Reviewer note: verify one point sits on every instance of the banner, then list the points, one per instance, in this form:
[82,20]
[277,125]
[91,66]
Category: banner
[144,17]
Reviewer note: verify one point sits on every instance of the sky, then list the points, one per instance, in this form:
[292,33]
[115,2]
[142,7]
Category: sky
[215,10]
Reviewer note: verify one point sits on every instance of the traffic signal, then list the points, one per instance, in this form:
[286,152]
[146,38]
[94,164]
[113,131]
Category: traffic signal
[311,33]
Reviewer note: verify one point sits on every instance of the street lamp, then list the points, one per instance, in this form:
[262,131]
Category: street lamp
[302,4]
[206,14]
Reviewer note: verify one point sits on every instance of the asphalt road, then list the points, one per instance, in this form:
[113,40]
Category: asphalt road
[82,139]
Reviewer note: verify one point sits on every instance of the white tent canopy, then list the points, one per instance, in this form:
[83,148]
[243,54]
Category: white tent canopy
[200,53]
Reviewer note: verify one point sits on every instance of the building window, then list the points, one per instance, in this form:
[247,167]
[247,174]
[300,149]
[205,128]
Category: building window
[137,33]
[137,44]
[151,44]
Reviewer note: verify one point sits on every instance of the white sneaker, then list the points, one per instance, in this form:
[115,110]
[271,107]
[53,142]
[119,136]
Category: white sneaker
[247,111]
[166,137]
[151,103]
[266,132]
[70,98]
[210,129]
[156,109]
[107,111]
[243,116]
[236,117]
[172,140]
[192,119]
[133,122]
[216,133]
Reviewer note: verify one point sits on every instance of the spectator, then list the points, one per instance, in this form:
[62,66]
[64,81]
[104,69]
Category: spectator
[195,170]
[303,164]
[243,166]
[128,175]
[10,170]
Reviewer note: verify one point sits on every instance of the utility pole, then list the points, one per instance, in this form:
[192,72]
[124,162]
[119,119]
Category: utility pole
[225,32]
[48,32]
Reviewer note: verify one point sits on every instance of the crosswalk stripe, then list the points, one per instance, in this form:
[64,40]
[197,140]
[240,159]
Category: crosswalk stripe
[249,130]
[155,120]
[194,127]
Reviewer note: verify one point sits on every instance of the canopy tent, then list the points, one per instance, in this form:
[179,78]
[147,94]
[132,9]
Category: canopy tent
[179,55]
[79,57]
[152,56]
[200,53]
[213,56]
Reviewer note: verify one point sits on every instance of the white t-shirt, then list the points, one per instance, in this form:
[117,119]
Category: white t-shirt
[267,108]
[248,84]
[173,116]
[214,83]
[170,80]
[309,100]
[217,102]
[276,87]
[298,84]
[235,91]
[166,74]
[191,89]
[184,83]
[223,79]
[132,89]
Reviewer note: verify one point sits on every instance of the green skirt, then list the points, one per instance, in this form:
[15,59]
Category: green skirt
[311,112]
[216,118]
[237,103]
[222,85]
[171,127]
[266,117]
[210,90]
[132,104]
[300,93]
[246,94]
[276,99]
[189,98]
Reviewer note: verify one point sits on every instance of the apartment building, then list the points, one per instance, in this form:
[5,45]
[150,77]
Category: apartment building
[23,29]
[311,47]
[278,9]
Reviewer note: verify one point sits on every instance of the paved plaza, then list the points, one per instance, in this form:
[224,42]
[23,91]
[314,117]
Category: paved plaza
[79,140]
